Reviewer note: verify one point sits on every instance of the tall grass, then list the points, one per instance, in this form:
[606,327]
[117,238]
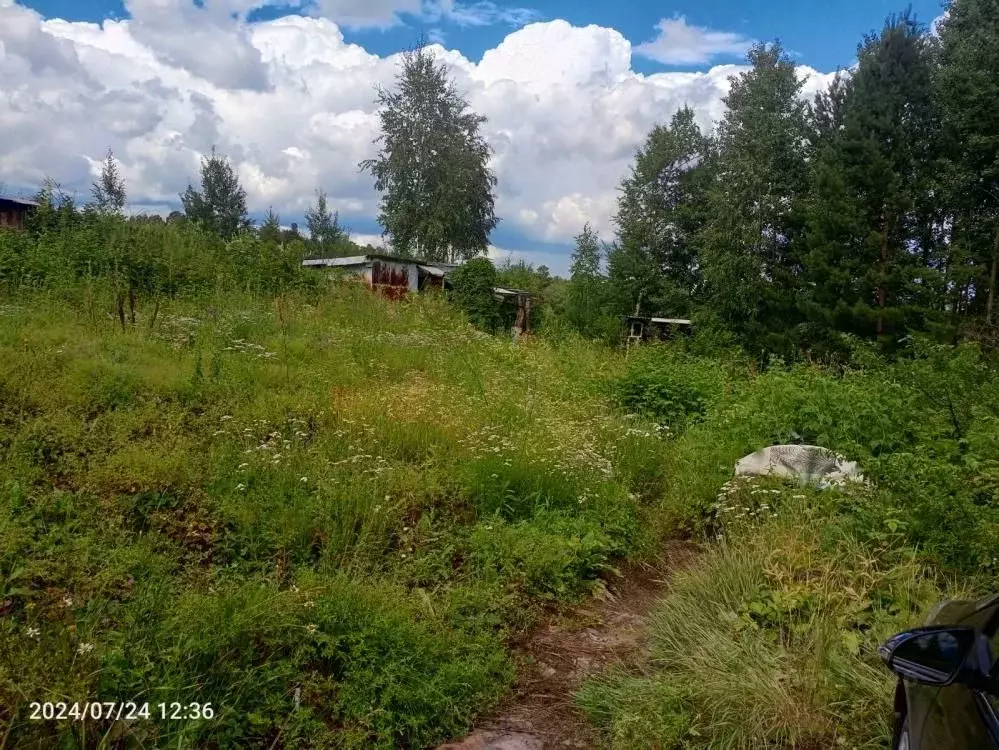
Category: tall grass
[322,512]
[769,640]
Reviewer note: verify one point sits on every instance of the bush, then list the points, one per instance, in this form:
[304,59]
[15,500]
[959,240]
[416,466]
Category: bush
[474,282]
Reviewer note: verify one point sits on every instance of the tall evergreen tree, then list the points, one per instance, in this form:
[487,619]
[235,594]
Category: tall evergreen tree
[326,236]
[587,284]
[752,244]
[662,207]
[432,169]
[968,95]
[871,242]
[270,230]
[109,191]
[220,205]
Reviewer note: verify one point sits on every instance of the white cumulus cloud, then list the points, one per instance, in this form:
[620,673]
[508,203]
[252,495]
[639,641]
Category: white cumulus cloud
[679,43]
[293,105]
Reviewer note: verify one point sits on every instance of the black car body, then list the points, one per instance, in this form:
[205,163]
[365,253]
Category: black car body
[947,696]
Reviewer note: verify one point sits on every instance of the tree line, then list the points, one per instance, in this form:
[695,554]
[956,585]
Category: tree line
[792,227]
[871,211]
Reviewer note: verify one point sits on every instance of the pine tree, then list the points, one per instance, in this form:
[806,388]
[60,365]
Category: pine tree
[326,237]
[967,88]
[220,205]
[662,207]
[270,230]
[585,303]
[871,247]
[109,191]
[750,249]
[432,169]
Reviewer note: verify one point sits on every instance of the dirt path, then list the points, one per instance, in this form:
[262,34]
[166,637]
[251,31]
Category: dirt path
[609,629]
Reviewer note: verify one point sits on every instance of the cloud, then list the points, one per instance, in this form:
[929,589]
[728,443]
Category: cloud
[480,13]
[556,262]
[365,13]
[387,13]
[211,41]
[679,43]
[296,110]
[938,22]
[375,240]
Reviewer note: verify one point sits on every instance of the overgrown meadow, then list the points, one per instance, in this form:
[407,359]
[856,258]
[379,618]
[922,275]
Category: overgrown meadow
[332,516]
[325,514]
[770,639]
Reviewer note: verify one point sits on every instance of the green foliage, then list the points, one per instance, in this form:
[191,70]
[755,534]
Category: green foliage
[967,89]
[635,712]
[669,386]
[661,210]
[109,192]
[654,393]
[326,514]
[143,260]
[872,242]
[473,284]
[771,641]
[437,197]
[752,243]
[270,230]
[586,296]
[549,557]
[220,206]
[327,239]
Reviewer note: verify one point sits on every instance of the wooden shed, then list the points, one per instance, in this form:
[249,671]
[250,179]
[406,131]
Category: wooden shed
[14,212]
[388,274]
[654,329]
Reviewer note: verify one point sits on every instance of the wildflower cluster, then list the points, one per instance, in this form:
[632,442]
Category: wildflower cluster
[177,330]
[246,347]
[742,500]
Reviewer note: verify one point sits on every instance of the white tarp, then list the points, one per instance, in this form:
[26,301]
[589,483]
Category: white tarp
[809,464]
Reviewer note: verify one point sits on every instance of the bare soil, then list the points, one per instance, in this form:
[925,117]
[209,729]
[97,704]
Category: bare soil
[608,630]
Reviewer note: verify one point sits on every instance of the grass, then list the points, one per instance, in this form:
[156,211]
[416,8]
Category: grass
[324,514]
[769,639]
[329,516]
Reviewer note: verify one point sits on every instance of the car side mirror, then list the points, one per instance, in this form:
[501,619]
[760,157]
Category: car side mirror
[930,656]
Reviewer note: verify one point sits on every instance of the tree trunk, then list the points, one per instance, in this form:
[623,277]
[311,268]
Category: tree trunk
[992,280]
[882,292]
[120,305]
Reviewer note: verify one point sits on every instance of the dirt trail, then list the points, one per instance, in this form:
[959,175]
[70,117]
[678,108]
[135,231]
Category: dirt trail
[609,629]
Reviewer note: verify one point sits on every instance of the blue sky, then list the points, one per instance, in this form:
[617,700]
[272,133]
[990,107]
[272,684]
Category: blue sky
[821,34]
[292,102]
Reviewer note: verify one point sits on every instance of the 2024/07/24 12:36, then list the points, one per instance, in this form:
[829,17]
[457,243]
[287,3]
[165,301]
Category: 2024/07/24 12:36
[125,711]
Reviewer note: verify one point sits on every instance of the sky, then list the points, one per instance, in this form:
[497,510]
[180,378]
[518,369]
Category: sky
[286,89]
